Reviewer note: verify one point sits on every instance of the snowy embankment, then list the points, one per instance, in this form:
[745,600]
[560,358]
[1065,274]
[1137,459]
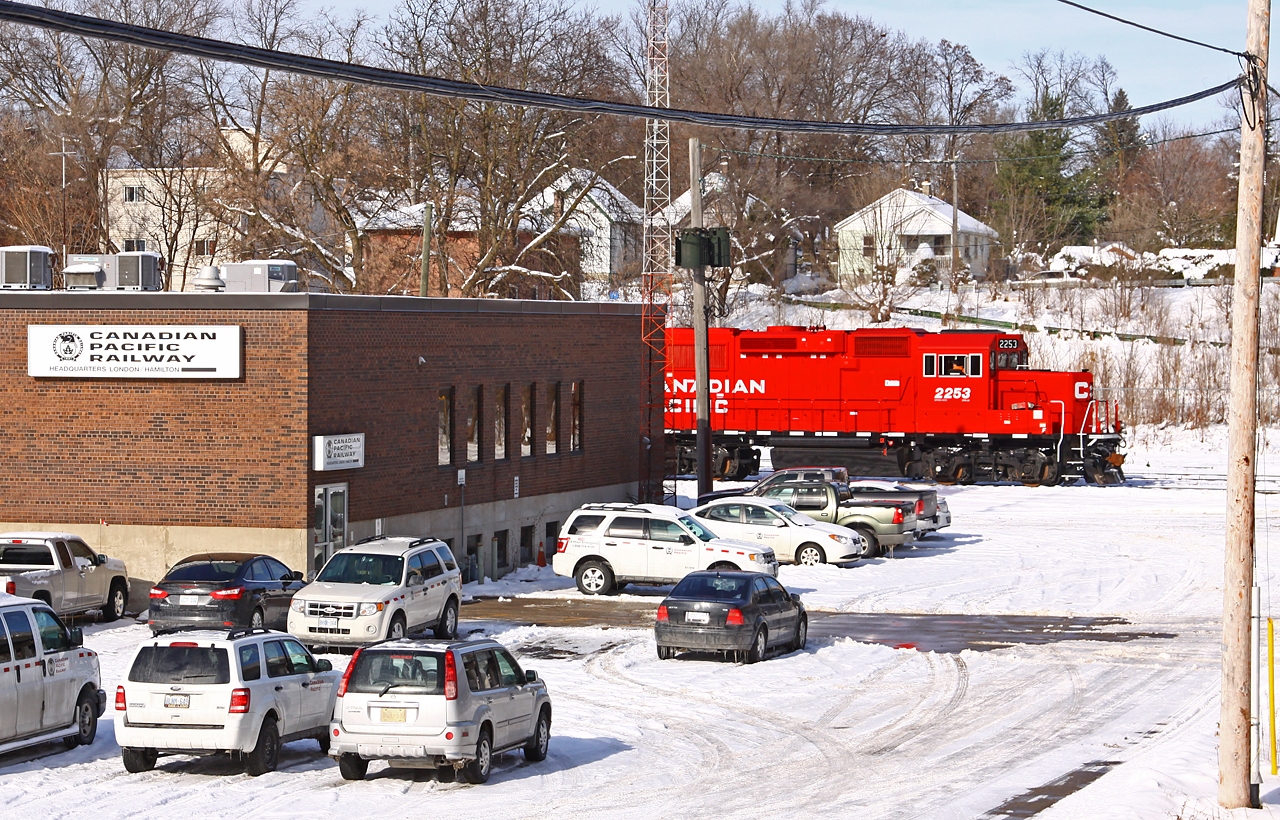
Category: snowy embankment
[1125,726]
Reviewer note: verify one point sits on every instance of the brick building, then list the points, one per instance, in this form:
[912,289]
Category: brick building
[539,403]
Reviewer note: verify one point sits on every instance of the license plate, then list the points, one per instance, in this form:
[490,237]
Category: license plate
[392,715]
[188,600]
[328,623]
[697,618]
[177,701]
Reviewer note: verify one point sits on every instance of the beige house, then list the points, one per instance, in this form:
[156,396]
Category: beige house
[903,228]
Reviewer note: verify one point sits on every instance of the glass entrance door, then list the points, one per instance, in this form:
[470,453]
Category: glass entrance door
[328,525]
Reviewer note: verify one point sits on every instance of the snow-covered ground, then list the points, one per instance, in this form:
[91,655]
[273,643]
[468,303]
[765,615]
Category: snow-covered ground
[842,729]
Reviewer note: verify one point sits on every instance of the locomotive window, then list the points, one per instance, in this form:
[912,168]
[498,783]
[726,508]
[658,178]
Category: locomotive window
[975,364]
[930,364]
[954,365]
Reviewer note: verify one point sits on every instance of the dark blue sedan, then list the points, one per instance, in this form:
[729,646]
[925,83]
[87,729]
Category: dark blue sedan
[743,614]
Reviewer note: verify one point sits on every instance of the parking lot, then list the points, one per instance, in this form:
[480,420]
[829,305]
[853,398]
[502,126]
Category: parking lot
[1053,654]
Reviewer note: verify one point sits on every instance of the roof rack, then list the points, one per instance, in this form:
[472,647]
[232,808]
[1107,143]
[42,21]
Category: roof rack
[370,538]
[619,506]
[246,631]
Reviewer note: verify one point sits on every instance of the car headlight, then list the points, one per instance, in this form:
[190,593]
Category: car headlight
[841,539]
[298,605]
[370,609]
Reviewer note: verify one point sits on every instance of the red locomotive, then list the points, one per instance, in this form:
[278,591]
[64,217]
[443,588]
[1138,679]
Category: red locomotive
[957,406]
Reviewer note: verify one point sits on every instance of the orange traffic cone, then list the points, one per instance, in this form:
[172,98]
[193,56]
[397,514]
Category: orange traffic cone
[542,555]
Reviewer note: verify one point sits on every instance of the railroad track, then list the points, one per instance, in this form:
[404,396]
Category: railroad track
[1206,480]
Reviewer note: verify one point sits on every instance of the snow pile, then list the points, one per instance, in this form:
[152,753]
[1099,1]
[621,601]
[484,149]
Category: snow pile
[522,581]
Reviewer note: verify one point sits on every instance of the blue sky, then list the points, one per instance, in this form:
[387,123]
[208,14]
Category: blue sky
[998,32]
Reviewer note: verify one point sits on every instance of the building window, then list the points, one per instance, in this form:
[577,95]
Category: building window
[135,245]
[204,247]
[939,245]
[868,246]
[526,544]
[134,194]
[526,420]
[575,419]
[501,412]
[500,549]
[473,423]
[444,430]
[553,417]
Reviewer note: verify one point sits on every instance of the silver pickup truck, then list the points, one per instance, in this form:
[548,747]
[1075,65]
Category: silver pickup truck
[60,569]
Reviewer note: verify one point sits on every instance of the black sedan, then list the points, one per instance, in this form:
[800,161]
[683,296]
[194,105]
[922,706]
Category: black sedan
[224,589]
[746,614]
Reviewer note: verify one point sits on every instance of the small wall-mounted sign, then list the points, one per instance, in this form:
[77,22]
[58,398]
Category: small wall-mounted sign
[343,452]
[517,495]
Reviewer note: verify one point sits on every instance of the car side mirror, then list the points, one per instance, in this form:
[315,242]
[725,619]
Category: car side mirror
[795,596]
[778,522]
[686,540]
[295,576]
[75,635]
[100,559]
[530,676]
[324,665]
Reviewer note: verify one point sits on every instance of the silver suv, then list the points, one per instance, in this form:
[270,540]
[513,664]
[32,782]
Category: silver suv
[383,587]
[448,706]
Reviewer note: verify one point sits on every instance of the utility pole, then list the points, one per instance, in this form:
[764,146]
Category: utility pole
[955,223]
[426,250]
[701,359]
[1234,789]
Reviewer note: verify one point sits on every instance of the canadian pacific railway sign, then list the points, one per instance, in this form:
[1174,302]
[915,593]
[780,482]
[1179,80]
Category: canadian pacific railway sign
[134,351]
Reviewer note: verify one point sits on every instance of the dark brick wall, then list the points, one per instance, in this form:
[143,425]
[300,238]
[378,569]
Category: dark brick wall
[237,453]
[157,451]
[366,377]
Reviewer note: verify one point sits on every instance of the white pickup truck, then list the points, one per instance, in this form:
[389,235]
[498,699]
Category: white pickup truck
[60,569]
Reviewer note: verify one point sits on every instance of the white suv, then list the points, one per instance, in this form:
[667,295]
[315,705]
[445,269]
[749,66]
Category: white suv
[607,546]
[202,692]
[448,706]
[50,685]
[383,587]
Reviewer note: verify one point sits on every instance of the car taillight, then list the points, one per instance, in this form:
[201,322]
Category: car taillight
[239,702]
[10,587]
[662,613]
[734,618]
[897,516]
[562,544]
[227,594]
[919,506]
[346,676]
[120,699]
[157,592]
[450,677]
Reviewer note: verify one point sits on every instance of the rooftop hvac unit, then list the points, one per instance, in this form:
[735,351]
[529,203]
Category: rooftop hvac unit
[86,271]
[137,270]
[261,276]
[26,267]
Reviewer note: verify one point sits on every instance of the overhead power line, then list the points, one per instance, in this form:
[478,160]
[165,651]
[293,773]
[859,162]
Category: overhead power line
[1240,54]
[219,50]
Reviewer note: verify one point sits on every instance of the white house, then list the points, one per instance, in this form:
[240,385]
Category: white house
[903,227]
[609,224]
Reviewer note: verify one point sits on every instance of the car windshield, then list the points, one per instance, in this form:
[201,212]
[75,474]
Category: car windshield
[203,570]
[358,568]
[181,664]
[407,672]
[697,529]
[795,517]
[713,587]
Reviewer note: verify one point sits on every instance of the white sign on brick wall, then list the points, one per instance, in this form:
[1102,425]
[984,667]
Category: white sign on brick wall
[134,351]
[344,452]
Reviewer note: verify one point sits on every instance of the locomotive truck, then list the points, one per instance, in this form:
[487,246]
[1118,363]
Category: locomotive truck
[956,406]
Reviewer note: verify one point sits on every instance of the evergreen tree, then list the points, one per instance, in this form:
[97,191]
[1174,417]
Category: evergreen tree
[1118,143]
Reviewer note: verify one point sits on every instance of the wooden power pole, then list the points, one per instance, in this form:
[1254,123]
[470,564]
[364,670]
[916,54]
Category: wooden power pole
[701,361]
[1234,788]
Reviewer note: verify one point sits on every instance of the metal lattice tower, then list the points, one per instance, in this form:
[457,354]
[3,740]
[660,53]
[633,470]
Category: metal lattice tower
[658,254]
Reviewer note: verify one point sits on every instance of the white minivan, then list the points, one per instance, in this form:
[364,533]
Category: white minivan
[50,685]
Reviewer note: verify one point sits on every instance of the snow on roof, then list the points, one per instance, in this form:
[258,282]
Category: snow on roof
[913,213]
[612,203]
[409,218]
[1105,254]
